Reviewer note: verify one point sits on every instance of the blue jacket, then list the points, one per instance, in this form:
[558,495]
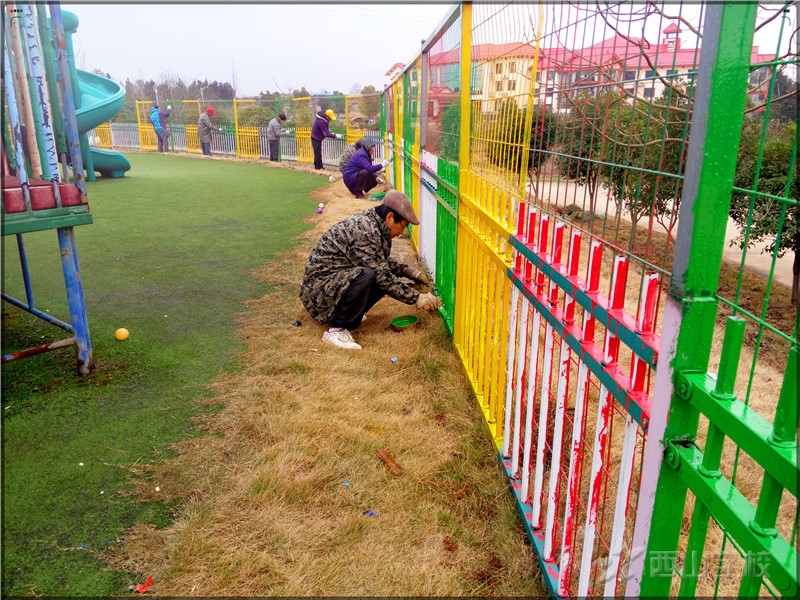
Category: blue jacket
[360,160]
[159,118]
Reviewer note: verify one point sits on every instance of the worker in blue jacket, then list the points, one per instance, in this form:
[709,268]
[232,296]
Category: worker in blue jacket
[159,120]
[360,175]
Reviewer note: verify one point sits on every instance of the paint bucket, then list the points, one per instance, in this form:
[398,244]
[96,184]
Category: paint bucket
[404,322]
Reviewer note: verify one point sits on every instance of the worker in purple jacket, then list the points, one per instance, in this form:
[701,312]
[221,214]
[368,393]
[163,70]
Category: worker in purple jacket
[319,131]
[360,175]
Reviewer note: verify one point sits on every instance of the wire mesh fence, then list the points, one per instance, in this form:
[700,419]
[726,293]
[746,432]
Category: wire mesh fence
[555,146]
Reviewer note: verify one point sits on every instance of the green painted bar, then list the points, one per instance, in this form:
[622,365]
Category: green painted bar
[711,163]
[746,428]
[734,513]
[729,357]
[786,421]
[712,454]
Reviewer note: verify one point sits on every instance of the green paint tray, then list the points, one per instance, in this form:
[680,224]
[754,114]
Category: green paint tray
[403,323]
[377,196]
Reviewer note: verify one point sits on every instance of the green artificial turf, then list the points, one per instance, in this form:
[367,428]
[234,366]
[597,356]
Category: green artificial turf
[168,257]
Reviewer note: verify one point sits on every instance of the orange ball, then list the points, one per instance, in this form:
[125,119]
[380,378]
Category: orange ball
[121,334]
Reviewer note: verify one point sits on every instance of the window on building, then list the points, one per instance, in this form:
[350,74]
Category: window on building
[549,92]
[538,76]
[498,68]
[648,92]
[498,86]
[512,85]
[551,75]
[758,76]
[512,67]
[757,98]
[649,73]
[630,75]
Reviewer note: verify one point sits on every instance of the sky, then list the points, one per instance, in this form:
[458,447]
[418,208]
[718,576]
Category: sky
[258,46]
[325,46]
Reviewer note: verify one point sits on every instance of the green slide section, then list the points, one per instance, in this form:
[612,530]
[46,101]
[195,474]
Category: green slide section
[97,100]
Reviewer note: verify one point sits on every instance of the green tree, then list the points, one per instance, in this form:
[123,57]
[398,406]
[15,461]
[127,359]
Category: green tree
[654,141]
[766,169]
[253,115]
[371,102]
[581,143]
[451,123]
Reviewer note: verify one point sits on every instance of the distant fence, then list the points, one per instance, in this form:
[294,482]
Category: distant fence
[359,114]
[183,138]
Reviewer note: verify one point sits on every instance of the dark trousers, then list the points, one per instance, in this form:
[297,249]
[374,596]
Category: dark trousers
[317,146]
[365,181]
[163,140]
[273,150]
[362,295]
[205,147]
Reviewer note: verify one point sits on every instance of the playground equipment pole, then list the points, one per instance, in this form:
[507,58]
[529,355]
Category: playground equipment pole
[25,97]
[50,167]
[51,77]
[65,81]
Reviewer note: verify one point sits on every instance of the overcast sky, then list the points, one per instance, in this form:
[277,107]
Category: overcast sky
[265,46]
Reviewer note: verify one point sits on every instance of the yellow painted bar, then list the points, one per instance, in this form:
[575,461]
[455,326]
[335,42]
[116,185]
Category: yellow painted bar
[147,136]
[103,133]
[238,132]
[305,153]
[248,142]
[461,305]
[414,191]
[192,139]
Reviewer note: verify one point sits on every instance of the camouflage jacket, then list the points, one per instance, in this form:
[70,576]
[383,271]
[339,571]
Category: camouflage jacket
[361,240]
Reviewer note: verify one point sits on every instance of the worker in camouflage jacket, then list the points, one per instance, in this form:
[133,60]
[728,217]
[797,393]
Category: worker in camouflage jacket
[350,269]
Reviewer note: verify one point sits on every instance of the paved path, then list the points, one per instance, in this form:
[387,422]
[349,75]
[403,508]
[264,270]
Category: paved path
[564,194]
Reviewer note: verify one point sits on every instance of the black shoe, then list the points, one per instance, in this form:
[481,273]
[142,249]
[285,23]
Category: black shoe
[359,195]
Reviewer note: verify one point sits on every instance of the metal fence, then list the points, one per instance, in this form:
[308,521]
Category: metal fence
[606,195]
[360,115]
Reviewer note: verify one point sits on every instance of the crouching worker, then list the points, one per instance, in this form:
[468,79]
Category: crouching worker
[360,175]
[350,269]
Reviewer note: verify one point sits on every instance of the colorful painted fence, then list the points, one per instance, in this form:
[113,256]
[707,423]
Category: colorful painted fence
[598,187]
[243,127]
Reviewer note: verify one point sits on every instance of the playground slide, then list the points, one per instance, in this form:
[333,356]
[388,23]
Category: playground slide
[99,101]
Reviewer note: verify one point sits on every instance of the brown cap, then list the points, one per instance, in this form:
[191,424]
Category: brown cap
[400,204]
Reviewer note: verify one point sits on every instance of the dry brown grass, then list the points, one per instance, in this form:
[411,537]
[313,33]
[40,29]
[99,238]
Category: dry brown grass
[272,500]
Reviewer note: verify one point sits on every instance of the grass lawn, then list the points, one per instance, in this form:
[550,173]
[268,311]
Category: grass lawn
[169,257]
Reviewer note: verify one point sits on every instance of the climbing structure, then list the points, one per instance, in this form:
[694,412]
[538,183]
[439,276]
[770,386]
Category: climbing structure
[43,170]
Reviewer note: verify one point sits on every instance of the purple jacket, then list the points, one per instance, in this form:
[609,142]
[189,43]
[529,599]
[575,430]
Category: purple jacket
[360,160]
[319,130]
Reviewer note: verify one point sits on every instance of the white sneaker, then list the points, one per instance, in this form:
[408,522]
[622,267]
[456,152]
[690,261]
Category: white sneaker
[340,339]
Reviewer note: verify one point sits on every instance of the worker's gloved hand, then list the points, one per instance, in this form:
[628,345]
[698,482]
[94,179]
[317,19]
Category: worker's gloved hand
[380,180]
[428,302]
[339,136]
[416,275]
[386,163]
[169,107]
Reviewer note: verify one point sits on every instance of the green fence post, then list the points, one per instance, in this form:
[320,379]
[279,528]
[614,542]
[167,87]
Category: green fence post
[690,314]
